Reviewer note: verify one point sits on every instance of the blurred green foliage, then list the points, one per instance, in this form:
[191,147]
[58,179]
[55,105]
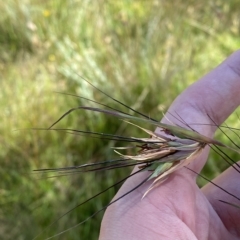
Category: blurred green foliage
[143,53]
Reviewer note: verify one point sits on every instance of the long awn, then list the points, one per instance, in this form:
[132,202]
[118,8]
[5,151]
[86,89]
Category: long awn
[160,154]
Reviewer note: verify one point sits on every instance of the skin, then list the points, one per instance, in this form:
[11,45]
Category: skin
[178,209]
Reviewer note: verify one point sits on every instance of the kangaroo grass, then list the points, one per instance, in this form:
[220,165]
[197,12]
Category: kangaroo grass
[158,154]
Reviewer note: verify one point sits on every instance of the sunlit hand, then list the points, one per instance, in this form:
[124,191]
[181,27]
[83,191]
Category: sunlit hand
[178,209]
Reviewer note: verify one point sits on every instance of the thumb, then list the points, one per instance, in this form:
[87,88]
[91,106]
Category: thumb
[210,100]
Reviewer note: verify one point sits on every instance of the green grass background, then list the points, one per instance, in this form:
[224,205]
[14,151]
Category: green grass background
[143,53]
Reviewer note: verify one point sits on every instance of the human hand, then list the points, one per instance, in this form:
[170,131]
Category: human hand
[178,209]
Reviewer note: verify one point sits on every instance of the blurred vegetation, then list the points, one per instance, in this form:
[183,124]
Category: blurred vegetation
[143,53]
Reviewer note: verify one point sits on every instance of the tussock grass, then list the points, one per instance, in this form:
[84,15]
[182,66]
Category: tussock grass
[141,52]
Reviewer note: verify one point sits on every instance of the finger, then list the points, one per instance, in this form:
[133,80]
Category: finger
[229,181]
[210,101]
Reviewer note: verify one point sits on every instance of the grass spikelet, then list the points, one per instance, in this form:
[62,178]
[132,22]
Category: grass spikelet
[159,154]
